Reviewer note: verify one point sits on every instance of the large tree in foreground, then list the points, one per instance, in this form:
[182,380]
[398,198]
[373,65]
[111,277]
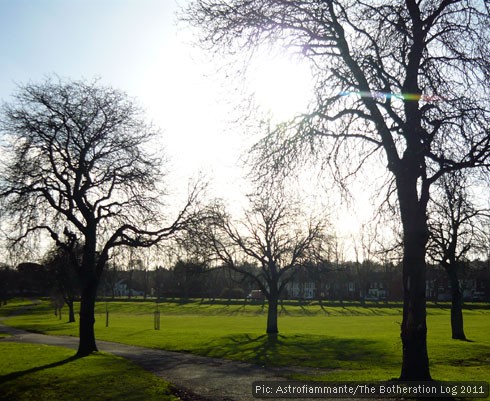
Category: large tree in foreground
[408,78]
[77,165]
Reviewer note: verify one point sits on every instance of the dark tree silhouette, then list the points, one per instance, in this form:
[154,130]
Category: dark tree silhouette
[189,278]
[64,276]
[77,165]
[273,234]
[455,231]
[8,282]
[406,77]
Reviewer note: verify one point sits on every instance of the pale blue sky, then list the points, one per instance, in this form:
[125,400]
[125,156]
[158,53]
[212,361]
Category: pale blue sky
[133,45]
[114,39]
[138,46]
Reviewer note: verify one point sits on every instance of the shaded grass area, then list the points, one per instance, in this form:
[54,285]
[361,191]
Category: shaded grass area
[14,305]
[349,343]
[38,372]
[323,352]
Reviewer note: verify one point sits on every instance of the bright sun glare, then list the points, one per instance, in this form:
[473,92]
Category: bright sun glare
[281,84]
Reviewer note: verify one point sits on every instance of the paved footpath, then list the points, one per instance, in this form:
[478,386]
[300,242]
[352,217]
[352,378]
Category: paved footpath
[198,378]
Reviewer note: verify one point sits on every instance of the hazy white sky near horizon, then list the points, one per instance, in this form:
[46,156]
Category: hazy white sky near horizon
[139,47]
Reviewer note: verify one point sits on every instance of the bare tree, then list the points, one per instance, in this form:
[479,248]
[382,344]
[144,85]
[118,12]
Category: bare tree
[273,234]
[407,78]
[77,166]
[455,232]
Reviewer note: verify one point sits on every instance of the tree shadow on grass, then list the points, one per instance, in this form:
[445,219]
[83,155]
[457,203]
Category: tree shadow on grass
[283,310]
[325,310]
[300,350]
[304,310]
[238,310]
[16,375]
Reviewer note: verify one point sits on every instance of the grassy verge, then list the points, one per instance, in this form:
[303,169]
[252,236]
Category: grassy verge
[31,372]
[347,342]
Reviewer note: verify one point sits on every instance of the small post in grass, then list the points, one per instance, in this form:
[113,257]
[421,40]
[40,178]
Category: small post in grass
[106,314]
[156,318]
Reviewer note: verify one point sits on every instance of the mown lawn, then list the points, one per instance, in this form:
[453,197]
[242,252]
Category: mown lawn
[347,342]
[30,372]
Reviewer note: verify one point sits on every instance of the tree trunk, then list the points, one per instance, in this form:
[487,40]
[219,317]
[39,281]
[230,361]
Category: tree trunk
[272,312]
[415,365]
[87,343]
[71,312]
[457,327]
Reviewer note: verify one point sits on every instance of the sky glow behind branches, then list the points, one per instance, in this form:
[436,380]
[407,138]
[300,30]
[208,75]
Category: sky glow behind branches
[139,47]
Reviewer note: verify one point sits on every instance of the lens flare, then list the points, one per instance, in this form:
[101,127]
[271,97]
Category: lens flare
[410,97]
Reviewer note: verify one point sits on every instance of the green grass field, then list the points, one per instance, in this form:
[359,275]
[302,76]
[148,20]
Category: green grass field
[348,343]
[31,372]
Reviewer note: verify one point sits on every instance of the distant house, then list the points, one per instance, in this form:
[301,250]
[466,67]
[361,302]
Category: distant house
[301,289]
[376,291]
[121,290]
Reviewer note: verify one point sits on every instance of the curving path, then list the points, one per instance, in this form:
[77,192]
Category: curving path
[196,377]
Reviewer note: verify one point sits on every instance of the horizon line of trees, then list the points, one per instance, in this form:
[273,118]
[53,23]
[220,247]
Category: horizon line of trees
[187,279]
